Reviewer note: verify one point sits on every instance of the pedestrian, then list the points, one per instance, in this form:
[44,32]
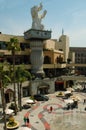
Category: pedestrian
[85,109]
[25,120]
[51,108]
[84,101]
[28,121]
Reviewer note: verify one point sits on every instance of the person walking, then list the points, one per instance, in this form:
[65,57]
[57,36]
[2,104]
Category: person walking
[28,121]
[25,120]
[84,101]
[51,108]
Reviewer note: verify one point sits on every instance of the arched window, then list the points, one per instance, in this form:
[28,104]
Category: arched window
[47,60]
[59,59]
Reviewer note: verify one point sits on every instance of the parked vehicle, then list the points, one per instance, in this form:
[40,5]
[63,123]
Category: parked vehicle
[26,106]
[40,97]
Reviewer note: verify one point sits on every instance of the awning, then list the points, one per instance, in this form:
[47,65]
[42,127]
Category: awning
[59,82]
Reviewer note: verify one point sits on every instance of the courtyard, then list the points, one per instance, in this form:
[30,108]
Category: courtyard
[42,118]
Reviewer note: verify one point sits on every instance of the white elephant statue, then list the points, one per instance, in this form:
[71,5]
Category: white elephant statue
[37,18]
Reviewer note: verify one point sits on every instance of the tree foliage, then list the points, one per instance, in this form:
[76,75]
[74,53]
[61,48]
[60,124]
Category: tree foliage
[13,45]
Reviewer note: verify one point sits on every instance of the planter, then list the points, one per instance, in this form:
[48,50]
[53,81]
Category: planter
[12,127]
[60,94]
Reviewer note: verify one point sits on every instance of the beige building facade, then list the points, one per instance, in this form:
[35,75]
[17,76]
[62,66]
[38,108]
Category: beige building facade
[55,53]
[80,58]
[39,54]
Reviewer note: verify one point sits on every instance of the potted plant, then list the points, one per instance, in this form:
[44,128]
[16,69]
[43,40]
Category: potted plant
[12,123]
[61,94]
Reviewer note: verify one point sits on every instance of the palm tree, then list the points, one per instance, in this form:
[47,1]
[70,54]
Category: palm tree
[22,75]
[4,81]
[14,46]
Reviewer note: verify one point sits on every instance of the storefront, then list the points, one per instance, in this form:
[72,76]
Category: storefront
[43,89]
[59,85]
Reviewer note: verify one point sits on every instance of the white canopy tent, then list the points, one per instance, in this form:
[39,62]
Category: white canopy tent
[70,89]
[9,111]
[29,101]
[67,92]
[24,128]
[68,101]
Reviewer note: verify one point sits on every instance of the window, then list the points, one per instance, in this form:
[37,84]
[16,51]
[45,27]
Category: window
[3,45]
[24,46]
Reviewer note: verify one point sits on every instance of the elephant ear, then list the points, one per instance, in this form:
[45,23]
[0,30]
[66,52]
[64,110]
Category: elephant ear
[33,11]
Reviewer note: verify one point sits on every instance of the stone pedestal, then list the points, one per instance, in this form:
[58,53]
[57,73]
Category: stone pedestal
[37,57]
[36,38]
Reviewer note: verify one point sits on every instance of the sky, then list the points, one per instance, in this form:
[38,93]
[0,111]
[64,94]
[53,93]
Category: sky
[67,15]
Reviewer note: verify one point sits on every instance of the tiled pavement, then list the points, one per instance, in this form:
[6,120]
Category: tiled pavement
[41,118]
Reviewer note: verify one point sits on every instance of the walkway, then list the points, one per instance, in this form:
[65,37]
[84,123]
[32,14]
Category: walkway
[42,119]
[40,116]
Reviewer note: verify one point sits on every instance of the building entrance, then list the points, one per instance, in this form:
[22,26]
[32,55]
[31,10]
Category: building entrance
[43,89]
[8,95]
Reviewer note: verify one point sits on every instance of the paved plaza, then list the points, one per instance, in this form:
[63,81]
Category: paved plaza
[59,119]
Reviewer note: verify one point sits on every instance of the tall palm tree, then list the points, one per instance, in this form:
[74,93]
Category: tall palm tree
[22,75]
[4,81]
[14,46]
